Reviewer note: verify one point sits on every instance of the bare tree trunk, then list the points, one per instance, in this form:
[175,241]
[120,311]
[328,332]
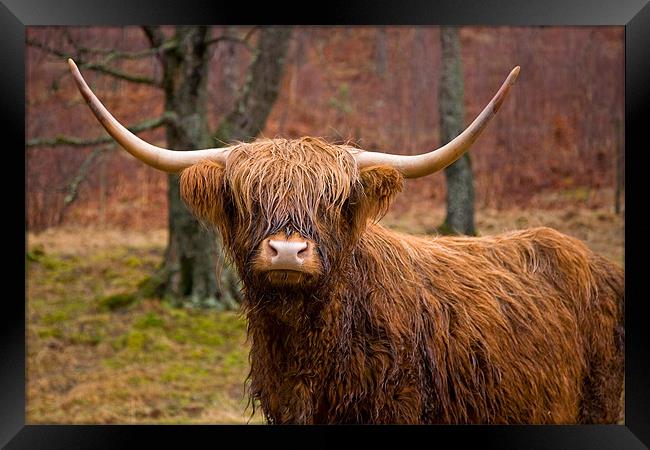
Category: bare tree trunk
[188,272]
[193,270]
[460,187]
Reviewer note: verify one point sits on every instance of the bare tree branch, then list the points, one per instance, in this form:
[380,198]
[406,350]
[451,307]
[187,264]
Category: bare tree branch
[47,49]
[56,141]
[230,39]
[69,38]
[73,186]
[154,34]
[119,74]
[98,67]
[251,31]
[243,41]
[114,54]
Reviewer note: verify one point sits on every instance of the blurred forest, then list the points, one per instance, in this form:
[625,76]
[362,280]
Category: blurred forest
[558,137]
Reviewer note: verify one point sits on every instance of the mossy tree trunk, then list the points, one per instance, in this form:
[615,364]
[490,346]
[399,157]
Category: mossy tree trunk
[460,183]
[193,270]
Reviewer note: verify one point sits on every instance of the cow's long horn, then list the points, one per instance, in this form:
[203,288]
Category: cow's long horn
[157,157]
[414,166]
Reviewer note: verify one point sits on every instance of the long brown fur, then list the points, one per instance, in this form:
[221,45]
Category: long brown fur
[523,327]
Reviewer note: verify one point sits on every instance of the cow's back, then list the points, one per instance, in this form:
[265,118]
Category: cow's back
[511,321]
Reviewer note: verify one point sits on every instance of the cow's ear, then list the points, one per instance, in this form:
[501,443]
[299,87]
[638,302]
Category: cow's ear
[203,191]
[380,185]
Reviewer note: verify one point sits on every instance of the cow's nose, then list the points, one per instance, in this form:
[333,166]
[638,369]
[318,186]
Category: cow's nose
[288,255]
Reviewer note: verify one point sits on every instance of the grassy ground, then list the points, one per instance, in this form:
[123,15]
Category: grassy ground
[92,362]
[93,357]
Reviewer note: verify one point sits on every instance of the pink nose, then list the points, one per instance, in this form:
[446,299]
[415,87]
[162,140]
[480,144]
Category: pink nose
[287,255]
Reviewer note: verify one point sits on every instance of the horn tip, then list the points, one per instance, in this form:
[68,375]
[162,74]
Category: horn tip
[71,64]
[514,73]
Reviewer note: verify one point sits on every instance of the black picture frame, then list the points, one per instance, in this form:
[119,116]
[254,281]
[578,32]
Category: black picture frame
[634,15]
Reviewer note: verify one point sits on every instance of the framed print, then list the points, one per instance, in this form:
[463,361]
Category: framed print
[298,132]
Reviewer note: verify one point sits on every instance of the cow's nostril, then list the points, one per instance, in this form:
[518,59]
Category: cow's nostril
[272,250]
[304,252]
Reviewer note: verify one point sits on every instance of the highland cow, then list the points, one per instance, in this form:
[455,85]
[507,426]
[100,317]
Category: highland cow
[350,322]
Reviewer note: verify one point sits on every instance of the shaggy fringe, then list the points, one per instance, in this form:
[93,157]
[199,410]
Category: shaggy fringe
[289,182]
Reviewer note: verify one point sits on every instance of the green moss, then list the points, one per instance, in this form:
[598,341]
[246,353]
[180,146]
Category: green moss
[114,363]
[82,338]
[53,263]
[202,353]
[136,340]
[205,330]
[55,332]
[133,261]
[57,269]
[213,330]
[116,253]
[160,349]
[110,273]
[36,253]
[231,323]
[149,287]
[149,320]
[175,313]
[55,317]
[62,312]
[148,345]
[116,301]
[235,359]
[445,230]
[70,307]
[183,372]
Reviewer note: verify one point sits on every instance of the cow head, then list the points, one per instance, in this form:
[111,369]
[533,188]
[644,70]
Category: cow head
[290,211]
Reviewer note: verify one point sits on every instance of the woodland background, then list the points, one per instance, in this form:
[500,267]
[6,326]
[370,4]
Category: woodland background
[560,129]
[96,218]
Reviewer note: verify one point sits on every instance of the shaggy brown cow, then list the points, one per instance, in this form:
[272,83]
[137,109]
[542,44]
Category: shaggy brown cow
[353,323]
